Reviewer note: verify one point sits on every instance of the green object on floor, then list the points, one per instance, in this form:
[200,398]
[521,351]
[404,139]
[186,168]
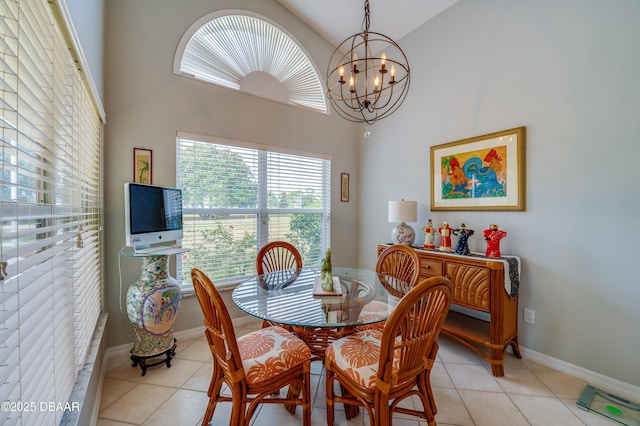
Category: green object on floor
[609,405]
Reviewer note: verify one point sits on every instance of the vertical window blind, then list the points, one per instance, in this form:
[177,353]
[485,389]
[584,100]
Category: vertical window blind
[239,196]
[50,202]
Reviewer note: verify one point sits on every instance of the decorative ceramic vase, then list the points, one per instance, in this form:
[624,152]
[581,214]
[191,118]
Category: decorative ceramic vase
[152,306]
[403,234]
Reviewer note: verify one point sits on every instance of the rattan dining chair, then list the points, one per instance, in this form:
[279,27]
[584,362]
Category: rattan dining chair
[379,369]
[398,268]
[256,366]
[277,255]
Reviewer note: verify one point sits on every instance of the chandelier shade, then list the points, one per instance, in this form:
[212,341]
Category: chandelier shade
[368,76]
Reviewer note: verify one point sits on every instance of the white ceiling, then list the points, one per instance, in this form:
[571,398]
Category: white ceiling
[336,20]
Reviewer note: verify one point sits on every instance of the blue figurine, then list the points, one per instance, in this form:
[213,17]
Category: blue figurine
[463,235]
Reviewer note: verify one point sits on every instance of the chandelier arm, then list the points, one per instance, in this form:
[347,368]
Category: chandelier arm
[366,94]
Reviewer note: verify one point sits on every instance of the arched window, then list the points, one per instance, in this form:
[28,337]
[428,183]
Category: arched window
[243,51]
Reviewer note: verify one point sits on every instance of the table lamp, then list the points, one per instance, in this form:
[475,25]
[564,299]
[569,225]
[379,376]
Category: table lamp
[403,211]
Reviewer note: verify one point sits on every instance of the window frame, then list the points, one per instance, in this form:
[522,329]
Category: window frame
[261,211]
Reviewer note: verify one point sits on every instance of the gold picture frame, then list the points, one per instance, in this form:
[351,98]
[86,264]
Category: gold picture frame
[142,166]
[344,187]
[481,173]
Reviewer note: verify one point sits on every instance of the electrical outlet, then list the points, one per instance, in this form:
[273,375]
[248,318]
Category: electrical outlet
[529,315]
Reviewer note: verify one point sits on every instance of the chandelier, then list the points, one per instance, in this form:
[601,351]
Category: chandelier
[368,76]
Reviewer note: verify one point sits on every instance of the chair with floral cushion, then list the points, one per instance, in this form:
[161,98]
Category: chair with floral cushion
[379,369]
[398,269]
[256,366]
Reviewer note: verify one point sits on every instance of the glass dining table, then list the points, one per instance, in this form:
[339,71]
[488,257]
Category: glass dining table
[291,298]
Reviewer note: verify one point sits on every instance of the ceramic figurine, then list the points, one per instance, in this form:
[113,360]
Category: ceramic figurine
[445,237]
[463,235]
[430,237]
[493,235]
[325,272]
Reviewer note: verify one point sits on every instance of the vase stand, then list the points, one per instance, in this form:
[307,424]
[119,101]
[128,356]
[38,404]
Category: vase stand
[141,360]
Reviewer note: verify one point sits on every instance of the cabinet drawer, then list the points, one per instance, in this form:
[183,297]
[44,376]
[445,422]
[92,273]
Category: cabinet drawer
[430,268]
[470,286]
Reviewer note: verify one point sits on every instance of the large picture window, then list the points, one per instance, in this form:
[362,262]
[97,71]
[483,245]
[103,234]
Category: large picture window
[238,196]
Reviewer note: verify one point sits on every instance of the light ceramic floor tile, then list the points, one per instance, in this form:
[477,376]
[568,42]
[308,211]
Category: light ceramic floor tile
[107,422]
[201,379]
[113,389]
[197,350]
[451,409]
[522,382]
[125,371]
[545,411]
[492,409]
[439,377]
[472,377]
[138,404]
[453,352]
[561,384]
[184,407]
[466,392]
[181,370]
[182,344]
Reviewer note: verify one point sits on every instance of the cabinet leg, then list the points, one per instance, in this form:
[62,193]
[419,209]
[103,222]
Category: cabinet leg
[497,361]
[516,348]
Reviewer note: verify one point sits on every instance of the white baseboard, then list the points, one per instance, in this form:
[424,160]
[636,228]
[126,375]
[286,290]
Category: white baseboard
[615,386]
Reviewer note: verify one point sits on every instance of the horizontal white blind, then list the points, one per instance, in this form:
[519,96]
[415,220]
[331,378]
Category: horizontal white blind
[238,198]
[226,49]
[50,205]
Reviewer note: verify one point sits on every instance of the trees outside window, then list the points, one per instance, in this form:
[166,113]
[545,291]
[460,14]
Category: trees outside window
[236,198]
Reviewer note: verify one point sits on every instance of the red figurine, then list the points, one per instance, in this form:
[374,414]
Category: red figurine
[445,237]
[493,235]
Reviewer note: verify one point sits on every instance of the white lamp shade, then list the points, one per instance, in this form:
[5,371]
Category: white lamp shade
[403,211]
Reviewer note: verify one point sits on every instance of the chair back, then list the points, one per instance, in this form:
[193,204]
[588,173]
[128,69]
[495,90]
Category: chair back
[277,255]
[398,267]
[218,326]
[411,331]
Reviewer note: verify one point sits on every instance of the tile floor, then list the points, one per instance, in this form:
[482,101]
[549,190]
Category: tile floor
[466,393]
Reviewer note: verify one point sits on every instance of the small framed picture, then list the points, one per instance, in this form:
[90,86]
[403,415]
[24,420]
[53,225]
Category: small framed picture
[344,187]
[142,165]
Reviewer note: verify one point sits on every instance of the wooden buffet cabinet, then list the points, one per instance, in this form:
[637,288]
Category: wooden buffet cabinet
[478,283]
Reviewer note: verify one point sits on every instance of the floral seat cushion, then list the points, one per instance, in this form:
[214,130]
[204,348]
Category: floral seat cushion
[270,351]
[358,355]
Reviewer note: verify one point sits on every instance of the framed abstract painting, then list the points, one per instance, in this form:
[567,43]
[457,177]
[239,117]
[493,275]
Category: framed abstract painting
[481,173]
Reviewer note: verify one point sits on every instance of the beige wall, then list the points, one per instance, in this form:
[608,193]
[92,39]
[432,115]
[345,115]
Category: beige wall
[568,71]
[147,104]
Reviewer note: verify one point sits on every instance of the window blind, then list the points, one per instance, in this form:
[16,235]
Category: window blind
[50,205]
[239,196]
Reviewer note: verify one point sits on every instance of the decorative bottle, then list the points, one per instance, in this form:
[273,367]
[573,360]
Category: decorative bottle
[325,272]
[492,236]
[430,237]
